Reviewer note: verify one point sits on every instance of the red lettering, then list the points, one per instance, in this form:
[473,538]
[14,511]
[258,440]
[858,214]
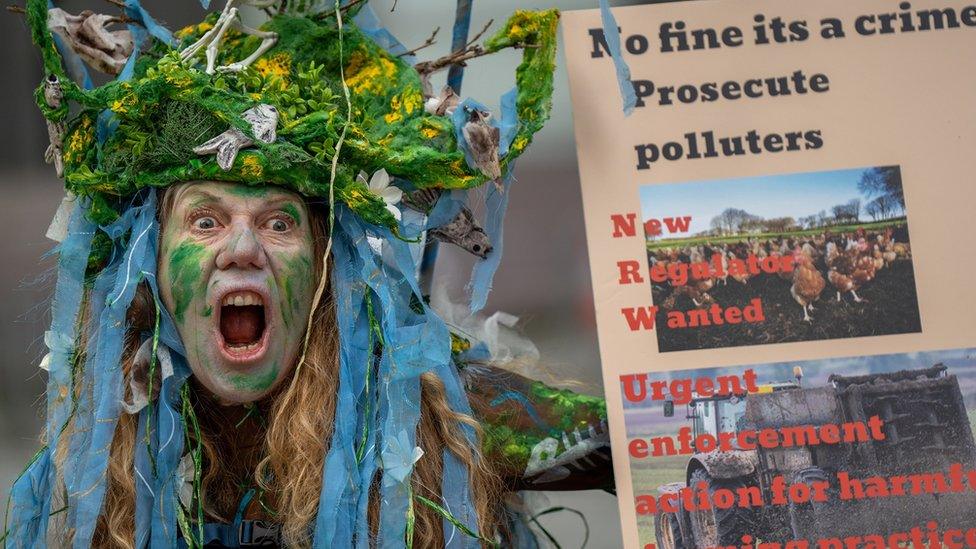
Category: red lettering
[678,224]
[635,394]
[638,448]
[652,227]
[640,318]
[624,226]
[629,272]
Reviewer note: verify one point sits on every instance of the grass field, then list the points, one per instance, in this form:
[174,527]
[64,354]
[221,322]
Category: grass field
[647,475]
[729,239]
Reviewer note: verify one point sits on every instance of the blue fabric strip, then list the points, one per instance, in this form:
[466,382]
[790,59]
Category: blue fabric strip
[612,34]
[496,203]
[87,491]
[459,39]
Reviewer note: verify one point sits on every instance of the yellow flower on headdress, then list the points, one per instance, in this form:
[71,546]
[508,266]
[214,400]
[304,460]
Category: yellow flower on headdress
[79,141]
[251,166]
[366,73]
[278,65]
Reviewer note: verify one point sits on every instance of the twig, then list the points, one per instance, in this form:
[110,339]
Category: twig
[427,43]
[394,6]
[480,33]
[16,9]
[458,58]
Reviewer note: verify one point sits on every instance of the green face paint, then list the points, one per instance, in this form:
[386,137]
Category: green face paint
[292,211]
[248,191]
[255,383]
[185,269]
[297,273]
[207,270]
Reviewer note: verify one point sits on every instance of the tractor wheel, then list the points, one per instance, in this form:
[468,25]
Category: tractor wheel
[667,531]
[813,520]
[714,527]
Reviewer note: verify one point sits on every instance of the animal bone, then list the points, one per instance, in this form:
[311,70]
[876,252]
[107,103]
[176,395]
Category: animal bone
[264,124]
[230,19]
[55,130]
[87,35]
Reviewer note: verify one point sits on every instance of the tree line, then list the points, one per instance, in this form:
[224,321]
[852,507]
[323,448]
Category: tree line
[881,187]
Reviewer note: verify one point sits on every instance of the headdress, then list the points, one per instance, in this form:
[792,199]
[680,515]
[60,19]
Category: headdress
[311,101]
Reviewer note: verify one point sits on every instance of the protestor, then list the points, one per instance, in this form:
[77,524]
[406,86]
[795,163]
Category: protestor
[240,350]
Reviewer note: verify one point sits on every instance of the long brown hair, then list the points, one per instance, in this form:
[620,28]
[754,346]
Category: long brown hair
[300,418]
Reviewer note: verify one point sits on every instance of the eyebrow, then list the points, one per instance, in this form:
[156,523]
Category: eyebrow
[197,197]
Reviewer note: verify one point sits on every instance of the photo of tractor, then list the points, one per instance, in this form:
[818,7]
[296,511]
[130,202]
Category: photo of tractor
[927,430]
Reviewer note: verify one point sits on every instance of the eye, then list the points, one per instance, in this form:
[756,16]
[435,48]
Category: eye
[204,223]
[278,225]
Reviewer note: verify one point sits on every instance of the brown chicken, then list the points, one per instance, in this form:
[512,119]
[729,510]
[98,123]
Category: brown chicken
[808,283]
[849,271]
[696,290]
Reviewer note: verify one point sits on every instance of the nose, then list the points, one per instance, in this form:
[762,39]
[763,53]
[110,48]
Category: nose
[242,249]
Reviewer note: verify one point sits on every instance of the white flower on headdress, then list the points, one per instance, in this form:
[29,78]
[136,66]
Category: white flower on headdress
[379,184]
[398,459]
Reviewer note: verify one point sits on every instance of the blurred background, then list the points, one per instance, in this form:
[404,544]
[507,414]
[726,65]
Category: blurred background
[544,277]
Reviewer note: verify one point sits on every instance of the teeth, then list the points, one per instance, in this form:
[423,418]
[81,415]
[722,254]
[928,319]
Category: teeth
[245,347]
[241,299]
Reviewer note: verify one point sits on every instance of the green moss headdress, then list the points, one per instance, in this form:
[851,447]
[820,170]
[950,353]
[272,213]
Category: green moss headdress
[318,102]
[169,106]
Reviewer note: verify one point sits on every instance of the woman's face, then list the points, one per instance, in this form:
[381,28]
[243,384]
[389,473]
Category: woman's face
[235,272]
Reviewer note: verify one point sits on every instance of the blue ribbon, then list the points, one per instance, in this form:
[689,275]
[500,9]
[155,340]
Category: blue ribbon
[612,34]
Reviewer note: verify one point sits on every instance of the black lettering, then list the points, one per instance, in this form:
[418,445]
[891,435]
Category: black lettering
[819,83]
[753,88]
[599,41]
[646,155]
[665,92]
[687,94]
[636,44]
[798,31]
[666,34]
[793,141]
[642,89]
[968,16]
[937,19]
[753,139]
[831,28]
[709,92]
[672,150]
[773,142]
[760,29]
[814,139]
[730,90]
[861,25]
[732,36]
[705,38]
[906,17]
[886,20]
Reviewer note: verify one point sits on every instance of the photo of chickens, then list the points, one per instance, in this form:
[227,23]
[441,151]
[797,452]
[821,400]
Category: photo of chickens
[803,257]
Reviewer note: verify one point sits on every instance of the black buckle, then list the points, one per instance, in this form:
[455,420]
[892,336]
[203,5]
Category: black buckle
[257,533]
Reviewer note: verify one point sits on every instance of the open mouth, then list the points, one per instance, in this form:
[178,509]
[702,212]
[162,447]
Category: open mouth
[243,325]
